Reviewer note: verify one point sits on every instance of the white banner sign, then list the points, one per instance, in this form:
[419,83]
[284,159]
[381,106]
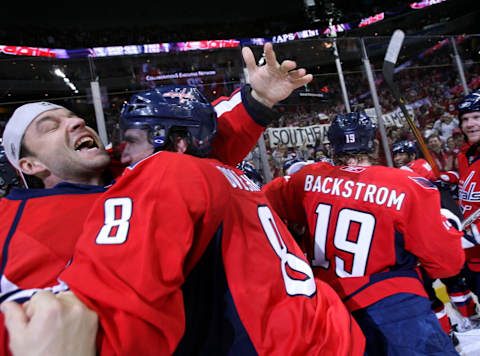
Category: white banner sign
[393,118]
[295,136]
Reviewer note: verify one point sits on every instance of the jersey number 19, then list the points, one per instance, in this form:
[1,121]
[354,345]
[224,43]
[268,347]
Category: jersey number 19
[358,246]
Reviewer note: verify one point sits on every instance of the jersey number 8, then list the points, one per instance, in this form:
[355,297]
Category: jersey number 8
[118,212]
[294,286]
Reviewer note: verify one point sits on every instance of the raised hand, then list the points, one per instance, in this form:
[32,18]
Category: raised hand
[273,82]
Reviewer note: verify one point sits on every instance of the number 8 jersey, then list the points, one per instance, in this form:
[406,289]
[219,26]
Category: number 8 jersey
[368,229]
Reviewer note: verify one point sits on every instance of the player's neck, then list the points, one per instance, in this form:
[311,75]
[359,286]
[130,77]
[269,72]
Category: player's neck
[361,161]
[52,180]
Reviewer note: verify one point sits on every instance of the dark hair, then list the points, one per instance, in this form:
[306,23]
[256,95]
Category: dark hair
[342,159]
[24,151]
[434,135]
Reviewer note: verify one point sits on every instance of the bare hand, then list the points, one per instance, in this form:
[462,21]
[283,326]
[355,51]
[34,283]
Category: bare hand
[52,325]
[273,82]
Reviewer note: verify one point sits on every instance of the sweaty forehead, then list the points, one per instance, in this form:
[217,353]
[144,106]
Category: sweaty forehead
[56,114]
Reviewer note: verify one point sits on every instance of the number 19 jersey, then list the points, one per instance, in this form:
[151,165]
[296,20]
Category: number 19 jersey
[369,229]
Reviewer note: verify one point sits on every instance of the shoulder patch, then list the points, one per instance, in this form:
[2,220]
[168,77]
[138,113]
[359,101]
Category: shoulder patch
[353,169]
[423,182]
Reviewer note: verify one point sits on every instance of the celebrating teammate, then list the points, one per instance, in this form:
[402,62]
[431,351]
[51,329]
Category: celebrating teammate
[405,157]
[468,165]
[369,233]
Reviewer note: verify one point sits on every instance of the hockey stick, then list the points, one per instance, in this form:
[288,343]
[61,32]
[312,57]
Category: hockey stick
[468,240]
[388,67]
[471,219]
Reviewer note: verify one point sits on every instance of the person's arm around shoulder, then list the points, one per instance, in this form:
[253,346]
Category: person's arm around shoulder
[51,325]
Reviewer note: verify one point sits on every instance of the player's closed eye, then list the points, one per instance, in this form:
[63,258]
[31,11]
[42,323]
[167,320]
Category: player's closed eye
[48,125]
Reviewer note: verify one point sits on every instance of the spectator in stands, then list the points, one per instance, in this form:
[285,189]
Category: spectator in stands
[459,139]
[394,134]
[445,125]
[277,158]
[451,145]
[302,152]
[436,146]
[428,130]
[452,151]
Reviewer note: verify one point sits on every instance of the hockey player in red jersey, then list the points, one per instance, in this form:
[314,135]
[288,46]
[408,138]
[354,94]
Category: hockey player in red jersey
[405,157]
[468,165]
[404,154]
[40,226]
[370,228]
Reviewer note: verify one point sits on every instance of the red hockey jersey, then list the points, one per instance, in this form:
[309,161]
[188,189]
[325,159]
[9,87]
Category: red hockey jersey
[185,256]
[369,227]
[469,198]
[40,228]
[422,167]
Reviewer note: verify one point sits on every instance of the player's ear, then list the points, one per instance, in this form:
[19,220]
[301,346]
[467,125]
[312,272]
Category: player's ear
[181,145]
[31,165]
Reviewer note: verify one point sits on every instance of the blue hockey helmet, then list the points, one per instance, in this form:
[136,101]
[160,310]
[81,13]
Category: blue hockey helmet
[404,146]
[251,172]
[288,163]
[352,133]
[162,109]
[469,103]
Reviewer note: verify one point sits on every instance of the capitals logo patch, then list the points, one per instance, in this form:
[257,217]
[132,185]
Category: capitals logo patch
[182,96]
[423,182]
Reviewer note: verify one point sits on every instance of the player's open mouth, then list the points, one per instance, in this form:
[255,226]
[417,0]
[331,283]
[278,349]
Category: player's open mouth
[85,143]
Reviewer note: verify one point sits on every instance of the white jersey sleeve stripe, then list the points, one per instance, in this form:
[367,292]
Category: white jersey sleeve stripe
[11,292]
[229,104]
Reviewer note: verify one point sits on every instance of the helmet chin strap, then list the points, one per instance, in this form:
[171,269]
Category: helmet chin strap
[472,152]
[22,177]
